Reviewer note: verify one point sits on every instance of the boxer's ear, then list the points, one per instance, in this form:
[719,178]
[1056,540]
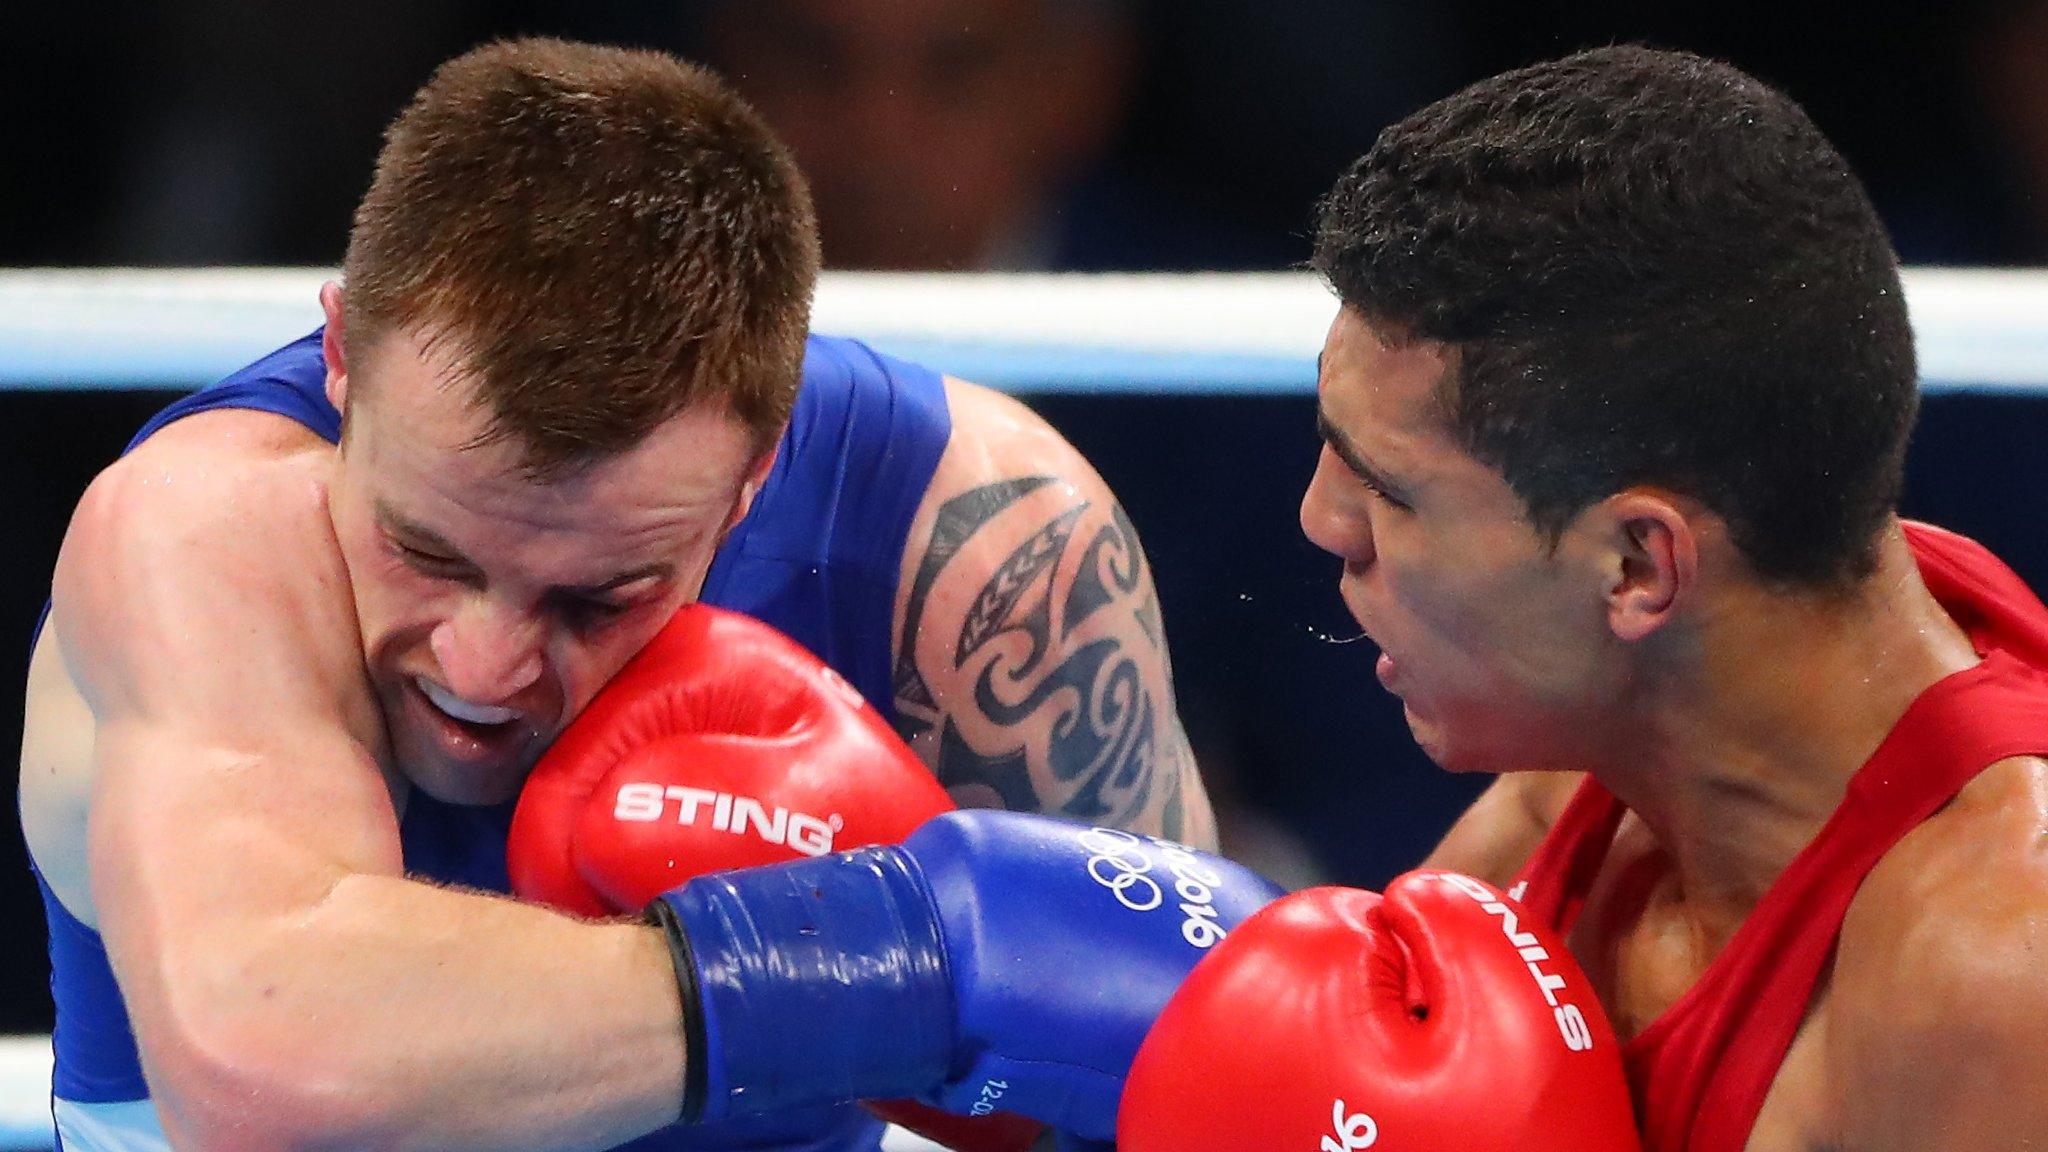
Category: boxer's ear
[750,484]
[1653,563]
[331,347]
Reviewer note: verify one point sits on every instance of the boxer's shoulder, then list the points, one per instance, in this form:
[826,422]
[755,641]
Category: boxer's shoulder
[1937,981]
[1000,509]
[205,546]
[1002,453]
[997,439]
[1021,565]
[222,470]
[1956,888]
[229,471]
[211,531]
[986,421]
[231,433]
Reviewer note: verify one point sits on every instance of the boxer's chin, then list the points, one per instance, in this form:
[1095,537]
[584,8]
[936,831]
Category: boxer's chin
[1438,742]
[458,763]
[1468,750]
[466,784]
[1427,737]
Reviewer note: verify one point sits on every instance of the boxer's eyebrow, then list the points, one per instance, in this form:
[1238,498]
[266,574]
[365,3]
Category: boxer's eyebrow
[1352,458]
[660,570]
[416,535]
[423,538]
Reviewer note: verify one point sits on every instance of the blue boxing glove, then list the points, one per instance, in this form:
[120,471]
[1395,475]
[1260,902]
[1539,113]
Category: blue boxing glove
[992,962]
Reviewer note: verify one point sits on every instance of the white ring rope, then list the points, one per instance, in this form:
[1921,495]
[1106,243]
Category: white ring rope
[24,1092]
[70,329]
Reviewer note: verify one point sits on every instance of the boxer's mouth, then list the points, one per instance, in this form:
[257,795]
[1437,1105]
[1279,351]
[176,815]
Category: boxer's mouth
[466,711]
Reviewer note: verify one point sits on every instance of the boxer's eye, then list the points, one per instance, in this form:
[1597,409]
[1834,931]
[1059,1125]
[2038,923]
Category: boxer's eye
[585,613]
[1378,492]
[430,563]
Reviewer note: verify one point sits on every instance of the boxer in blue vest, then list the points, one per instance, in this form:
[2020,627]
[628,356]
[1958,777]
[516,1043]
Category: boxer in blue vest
[308,636]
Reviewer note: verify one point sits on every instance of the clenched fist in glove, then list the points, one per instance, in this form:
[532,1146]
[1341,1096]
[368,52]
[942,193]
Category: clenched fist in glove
[723,744]
[1433,1017]
[994,960]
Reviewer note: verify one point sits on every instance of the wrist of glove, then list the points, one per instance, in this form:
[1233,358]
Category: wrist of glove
[993,962]
[765,954]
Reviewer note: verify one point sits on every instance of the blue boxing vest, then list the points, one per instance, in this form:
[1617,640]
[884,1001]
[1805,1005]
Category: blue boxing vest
[817,556]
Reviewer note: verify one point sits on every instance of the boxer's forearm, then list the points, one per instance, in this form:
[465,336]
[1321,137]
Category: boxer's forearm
[1502,828]
[399,1015]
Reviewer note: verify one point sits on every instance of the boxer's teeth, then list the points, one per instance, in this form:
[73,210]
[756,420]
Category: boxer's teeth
[462,709]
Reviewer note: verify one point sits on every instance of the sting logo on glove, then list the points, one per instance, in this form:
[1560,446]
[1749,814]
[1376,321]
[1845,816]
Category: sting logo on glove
[1122,863]
[774,824]
[1571,1022]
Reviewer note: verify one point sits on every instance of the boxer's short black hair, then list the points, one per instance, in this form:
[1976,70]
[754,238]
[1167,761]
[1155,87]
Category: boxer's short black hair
[1650,268]
[605,237]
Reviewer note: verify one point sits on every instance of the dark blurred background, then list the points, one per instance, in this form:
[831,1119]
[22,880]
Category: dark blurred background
[1014,134]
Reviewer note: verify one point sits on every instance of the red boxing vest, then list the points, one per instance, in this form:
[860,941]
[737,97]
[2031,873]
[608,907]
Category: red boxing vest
[1700,1071]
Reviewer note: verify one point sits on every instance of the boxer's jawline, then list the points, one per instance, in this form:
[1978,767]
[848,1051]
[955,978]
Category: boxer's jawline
[1104,735]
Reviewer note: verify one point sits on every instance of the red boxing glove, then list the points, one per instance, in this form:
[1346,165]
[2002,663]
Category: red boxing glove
[1335,1019]
[724,744]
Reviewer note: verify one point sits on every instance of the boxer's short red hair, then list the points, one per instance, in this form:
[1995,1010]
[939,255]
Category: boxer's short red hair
[604,237]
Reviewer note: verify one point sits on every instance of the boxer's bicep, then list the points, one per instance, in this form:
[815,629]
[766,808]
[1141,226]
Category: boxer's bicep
[1032,669]
[267,947]
[207,858]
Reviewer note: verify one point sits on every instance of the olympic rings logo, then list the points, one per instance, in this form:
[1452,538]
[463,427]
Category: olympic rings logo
[1122,863]
[1119,864]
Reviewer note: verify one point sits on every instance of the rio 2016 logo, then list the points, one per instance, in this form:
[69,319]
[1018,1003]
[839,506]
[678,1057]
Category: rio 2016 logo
[1122,863]
[1354,1131]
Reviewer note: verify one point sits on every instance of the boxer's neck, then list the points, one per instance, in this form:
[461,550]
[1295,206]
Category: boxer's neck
[1747,748]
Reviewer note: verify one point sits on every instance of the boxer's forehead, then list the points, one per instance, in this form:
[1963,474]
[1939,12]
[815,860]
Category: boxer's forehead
[1378,394]
[418,440]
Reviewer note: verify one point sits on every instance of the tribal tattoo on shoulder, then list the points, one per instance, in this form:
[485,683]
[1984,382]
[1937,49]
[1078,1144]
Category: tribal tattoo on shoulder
[1048,681]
